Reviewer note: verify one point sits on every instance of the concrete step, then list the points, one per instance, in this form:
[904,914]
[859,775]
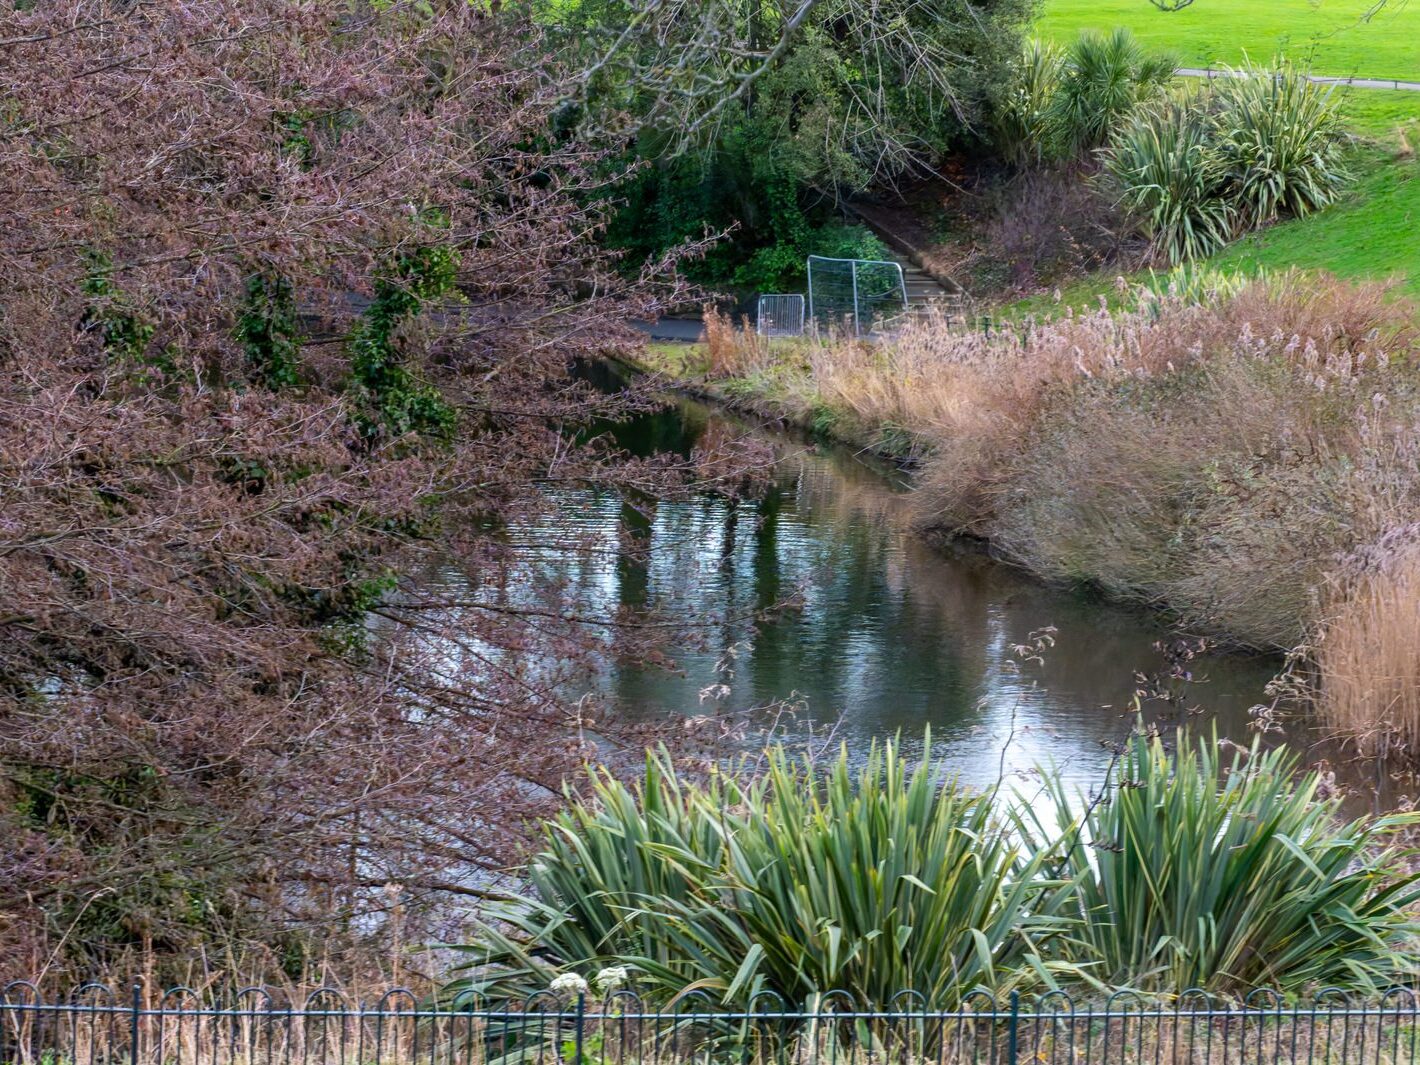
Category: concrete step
[922,287]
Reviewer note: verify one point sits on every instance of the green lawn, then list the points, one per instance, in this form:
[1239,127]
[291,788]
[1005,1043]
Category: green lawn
[1329,36]
[1374,233]
[1378,113]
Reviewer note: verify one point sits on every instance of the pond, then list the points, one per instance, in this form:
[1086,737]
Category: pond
[884,632]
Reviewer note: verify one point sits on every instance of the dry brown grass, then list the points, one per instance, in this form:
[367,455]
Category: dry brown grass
[1368,652]
[732,350]
[1213,458]
[1223,459]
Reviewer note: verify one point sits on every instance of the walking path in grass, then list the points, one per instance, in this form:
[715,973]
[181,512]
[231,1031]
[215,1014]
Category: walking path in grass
[1320,79]
[1379,42]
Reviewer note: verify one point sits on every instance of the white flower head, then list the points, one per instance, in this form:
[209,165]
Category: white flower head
[568,984]
[611,979]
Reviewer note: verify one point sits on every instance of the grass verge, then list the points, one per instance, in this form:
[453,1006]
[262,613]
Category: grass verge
[1373,233]
[1333,37]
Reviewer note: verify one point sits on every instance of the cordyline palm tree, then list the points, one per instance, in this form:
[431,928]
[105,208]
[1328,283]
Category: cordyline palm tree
[1104,79]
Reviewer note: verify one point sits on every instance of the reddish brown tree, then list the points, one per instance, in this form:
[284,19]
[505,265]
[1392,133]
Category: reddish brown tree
[293,293]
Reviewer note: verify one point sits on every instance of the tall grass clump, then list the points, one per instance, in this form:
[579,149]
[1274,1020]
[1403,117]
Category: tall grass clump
[1065,102]
[1196,171]
[1280,138]
[1367,655]
[1225,871]
[1194,283]
[869,880]
[1213,866]
[1216,458]
[732,349]
[1170,177]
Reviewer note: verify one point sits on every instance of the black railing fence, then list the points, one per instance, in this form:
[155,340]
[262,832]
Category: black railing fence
[97,1026]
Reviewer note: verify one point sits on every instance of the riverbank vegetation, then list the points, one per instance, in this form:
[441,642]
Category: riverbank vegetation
[857,96]
[298,304]
[1190,867]
[1239,452]
[1232,157]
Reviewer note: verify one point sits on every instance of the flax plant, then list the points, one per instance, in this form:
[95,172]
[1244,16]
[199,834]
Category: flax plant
[1280,143]
[1209,865]
[1024,127]
[1170,177]
[873,881]
[1255,146]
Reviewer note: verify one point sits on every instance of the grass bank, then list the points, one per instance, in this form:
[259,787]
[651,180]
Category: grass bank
[1373,233]
[1333,37]
[771,380]
[1250,461]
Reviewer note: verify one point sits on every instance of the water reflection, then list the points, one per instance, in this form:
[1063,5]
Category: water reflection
[886,633]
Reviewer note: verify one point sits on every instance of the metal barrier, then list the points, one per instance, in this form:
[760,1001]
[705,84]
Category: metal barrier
[780,314]
[854,294]
[253,1026]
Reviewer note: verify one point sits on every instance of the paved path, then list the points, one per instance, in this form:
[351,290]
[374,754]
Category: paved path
[1320,79]
[685,329]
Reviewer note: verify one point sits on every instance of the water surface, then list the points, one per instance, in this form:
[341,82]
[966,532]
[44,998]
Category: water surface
[885,633]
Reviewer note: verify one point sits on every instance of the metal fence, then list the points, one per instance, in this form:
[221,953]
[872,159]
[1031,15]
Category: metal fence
[252,1026]
[854,294]
[780,314]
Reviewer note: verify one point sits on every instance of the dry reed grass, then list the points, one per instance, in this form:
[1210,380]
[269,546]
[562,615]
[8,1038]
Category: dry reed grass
[732,350]
[1368,652]
[1220,457]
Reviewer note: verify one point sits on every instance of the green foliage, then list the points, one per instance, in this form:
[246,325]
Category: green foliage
[347,603]
[1194,283]
[1024,126]
[1103,80]
[125,334]
[1280,140]
[1368,234]
[1065,102]
[267,330]
[343,613]
[1196,869]
[824,419]
[1226,871]
[1237,155]
[302,130]
[780,267]
[393,401]
[295,138]
[856,101]
[1169,176]
[804,881]
[773,226]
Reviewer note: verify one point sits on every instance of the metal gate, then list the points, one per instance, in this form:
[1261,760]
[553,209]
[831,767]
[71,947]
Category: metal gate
[780,315]
[854,294]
